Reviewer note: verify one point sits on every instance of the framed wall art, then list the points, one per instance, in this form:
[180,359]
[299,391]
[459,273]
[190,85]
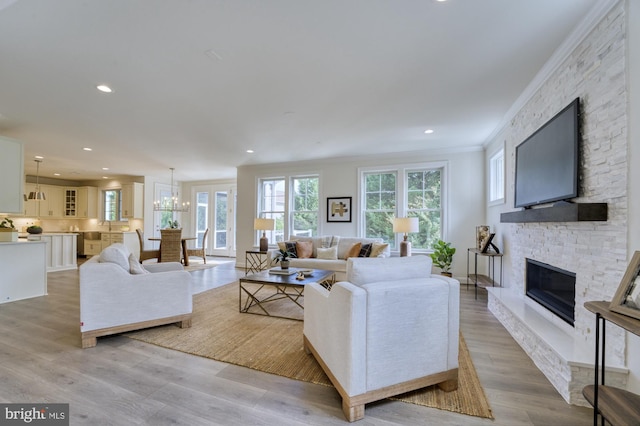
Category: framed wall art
[627,298]
[339,209]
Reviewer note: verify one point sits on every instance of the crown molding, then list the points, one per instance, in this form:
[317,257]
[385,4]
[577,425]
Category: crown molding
[577,36]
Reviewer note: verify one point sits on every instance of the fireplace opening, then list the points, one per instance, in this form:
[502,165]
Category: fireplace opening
[553,288]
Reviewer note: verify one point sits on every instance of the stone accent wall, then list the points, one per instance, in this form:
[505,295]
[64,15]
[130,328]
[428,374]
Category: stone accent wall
[595,251]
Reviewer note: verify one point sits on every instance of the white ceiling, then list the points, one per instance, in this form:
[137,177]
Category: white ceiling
[198,82]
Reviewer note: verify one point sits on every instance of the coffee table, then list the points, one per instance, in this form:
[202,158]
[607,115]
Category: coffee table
[265,293]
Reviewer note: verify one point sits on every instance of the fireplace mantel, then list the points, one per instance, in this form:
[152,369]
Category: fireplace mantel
[560,212]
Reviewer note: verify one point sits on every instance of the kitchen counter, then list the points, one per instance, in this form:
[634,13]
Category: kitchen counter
[61,249]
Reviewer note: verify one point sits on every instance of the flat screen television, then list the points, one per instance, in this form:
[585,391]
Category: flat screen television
[547,161]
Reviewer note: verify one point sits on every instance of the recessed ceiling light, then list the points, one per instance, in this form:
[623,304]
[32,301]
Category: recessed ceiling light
[87,149]
[39,157]
[56,174]
[105,177]
[105,168]
[428,131]
[104,88]
[250,151]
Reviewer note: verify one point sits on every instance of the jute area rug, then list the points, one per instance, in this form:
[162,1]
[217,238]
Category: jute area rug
[274,345]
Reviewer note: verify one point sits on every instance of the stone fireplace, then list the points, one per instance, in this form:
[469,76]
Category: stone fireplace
[554,288]
[595,251]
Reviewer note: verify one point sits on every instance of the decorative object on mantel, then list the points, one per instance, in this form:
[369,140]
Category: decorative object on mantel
[171,204]
[405,225]
[627,298]
[482,233]
[8,232]
[283,256]
[34,229]
[339,209]
[263,224]
[442,256]
[37,195]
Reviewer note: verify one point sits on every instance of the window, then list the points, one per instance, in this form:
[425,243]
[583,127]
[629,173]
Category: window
[496,178]
[112,202]
[415,191]
[293,203]
[272,206]
[305,206]
[380,205]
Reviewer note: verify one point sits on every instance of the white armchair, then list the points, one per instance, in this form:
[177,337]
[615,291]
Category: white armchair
[117,294]
[392,328]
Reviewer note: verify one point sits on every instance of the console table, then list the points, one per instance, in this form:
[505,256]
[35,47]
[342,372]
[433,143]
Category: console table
[617,406]
[483,280]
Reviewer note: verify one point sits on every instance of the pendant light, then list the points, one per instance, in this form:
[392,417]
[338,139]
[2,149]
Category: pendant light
[172,204]
[37,194]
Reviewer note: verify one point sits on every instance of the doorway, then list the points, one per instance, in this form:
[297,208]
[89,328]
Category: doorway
[215,207]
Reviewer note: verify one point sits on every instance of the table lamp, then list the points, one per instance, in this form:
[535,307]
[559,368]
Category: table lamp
[405,225]
[261,224]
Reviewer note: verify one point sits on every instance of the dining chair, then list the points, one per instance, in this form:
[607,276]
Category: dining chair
[199,251]
[171,245]
[146,254]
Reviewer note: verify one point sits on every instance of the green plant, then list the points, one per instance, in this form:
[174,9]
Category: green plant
[7,223]
[283,256]
[173,224]
[442,255]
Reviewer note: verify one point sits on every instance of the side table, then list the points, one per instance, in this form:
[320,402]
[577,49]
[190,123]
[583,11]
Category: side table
[617,406]
[255,261]
[483,280]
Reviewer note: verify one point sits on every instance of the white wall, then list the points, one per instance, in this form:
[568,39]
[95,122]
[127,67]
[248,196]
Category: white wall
[339,178]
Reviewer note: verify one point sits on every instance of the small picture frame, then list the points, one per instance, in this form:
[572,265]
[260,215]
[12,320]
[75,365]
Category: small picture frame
[339,209]
[482,234]
[626,301]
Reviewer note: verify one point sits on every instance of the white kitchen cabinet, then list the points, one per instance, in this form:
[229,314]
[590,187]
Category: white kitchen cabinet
[61,250]
[92,247]
[132,200]
[53,206]
[70,202]
[129,239]
[87,202]
[11,175]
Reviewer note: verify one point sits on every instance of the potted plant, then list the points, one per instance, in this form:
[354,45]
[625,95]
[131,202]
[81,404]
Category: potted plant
[34,229]
[283,256]
[8,231]
[173,224]
[442,256]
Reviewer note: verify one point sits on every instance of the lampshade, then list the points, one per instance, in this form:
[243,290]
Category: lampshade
[262,224]
[405,224]
[37,194]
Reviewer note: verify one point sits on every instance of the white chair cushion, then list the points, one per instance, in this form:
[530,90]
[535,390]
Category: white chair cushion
[116,253]
[363,270]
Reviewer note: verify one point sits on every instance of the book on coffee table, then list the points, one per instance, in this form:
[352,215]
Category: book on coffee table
[280,271]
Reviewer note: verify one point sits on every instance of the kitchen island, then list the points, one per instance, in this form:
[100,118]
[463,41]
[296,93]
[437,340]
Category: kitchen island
[23,269]
[62,249]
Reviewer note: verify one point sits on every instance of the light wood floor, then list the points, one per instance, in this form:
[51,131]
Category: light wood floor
[125,382]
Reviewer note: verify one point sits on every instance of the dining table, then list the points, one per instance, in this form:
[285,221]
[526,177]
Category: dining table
[183,240]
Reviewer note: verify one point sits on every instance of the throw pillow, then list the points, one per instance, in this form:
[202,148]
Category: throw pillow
[378,249]
[354,251]
[282,245]
[116,253]
[330,253]
[304,249]
[135,267]
[365,250]
[290,246]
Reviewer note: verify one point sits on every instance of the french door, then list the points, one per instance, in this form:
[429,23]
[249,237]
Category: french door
[215,207]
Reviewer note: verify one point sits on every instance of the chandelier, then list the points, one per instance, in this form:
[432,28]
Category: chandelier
[171,204]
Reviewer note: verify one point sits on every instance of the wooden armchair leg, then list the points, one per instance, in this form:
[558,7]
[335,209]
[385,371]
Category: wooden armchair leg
[185,323]
[449,385]
[352,413]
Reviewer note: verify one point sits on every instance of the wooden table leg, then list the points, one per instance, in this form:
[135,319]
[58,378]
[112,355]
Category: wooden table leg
[184,253]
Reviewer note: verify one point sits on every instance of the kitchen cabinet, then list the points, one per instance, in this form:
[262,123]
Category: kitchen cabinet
[70,202]
[132,200]
[23,269]
[11,175]
[87,202]
[92,247]
[53,206]
[129,239]
[61,250]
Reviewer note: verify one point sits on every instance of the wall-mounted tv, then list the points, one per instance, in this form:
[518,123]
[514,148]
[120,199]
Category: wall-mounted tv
[547,161]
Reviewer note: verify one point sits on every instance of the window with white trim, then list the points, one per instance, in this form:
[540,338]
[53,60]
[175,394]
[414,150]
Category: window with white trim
[496,177]
[404,191]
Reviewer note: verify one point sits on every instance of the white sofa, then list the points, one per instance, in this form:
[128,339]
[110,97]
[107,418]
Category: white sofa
[339,264]
[392,327]
[117,294]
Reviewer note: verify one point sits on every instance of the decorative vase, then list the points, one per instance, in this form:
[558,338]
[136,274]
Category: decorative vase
[447,274]
[284,264]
